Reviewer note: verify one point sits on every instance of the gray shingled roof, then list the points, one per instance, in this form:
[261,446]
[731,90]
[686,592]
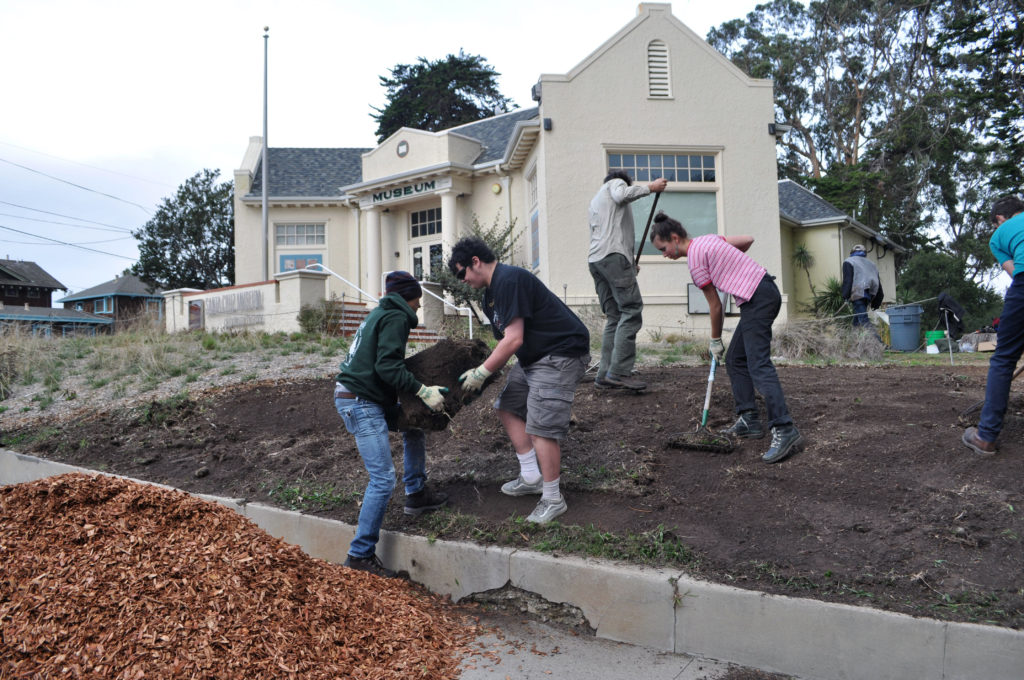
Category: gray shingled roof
[125,285]
[801,205]
[319,172]
[21,273]
[495,132]
[313,173]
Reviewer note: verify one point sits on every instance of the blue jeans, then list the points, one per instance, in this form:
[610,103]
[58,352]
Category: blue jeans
[623,306]
[1009,346]
[366,421]
[749,359]
[860,312]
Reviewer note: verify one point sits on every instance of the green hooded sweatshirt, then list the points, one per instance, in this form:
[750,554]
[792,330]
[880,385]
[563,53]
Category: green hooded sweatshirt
[375,367]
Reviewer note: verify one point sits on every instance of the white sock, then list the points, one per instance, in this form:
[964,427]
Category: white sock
[528,468]
[551,492]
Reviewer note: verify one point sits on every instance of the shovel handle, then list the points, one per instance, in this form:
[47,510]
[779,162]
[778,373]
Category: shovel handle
[643,239]
[707,396]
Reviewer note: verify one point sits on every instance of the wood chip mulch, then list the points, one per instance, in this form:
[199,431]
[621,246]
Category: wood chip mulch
[106,578]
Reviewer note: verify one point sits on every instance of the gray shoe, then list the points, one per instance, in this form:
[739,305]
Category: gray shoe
[520,487]
[624,382]
[786,440]
[547,510]
[747,426]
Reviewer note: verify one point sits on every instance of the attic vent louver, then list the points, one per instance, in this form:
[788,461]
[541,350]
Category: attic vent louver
[658,80]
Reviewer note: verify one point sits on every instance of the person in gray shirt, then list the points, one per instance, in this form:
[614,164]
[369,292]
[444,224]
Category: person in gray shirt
[612,247]
[861,286]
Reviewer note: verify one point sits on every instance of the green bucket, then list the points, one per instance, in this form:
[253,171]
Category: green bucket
[931,336]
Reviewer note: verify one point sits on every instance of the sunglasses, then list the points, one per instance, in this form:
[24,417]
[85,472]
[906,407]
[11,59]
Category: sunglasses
[461,274]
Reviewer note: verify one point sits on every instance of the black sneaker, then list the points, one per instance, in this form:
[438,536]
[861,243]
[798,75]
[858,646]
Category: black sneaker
[371,564]
[747,426]
[624,382]
[423,501]
[786,440]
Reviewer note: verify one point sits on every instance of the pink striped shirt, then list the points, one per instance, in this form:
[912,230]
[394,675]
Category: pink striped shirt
[713,260]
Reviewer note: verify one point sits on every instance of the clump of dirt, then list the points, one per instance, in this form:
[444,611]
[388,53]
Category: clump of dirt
[884,507]
[106,578]
[441,364]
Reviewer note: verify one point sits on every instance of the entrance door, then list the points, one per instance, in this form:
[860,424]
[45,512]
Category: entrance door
[427,260]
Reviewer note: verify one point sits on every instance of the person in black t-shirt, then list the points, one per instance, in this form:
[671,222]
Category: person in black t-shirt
[553,350]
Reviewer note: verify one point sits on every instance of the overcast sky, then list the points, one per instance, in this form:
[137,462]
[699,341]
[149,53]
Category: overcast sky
[129,99]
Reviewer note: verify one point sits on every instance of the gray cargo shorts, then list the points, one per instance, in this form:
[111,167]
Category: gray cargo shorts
[542,393]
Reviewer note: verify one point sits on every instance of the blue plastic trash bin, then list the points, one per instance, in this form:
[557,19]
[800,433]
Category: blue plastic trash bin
[905,327]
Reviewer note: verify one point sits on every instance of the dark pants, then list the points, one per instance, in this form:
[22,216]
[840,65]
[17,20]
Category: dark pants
[749,359]
[860,312]
[1009,346]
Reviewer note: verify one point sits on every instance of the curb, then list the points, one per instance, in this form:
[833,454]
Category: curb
[662,609]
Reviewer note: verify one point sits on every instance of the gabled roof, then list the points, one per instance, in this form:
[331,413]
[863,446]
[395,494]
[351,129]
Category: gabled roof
[803,208]
[126,285]
[51,315]
[494,133]
[308,173]
[21,273]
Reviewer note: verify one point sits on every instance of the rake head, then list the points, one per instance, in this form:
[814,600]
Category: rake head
[703,440]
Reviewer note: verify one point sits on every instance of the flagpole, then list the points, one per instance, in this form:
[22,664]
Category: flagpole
[266,168]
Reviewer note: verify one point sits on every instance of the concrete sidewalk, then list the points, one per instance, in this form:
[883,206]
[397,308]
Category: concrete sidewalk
[530,650]
[663,610]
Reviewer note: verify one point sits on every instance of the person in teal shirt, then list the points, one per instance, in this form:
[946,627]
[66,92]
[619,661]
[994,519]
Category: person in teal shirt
[1007,244]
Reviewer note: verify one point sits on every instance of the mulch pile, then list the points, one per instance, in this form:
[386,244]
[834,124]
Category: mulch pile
[441,364]
[107,578]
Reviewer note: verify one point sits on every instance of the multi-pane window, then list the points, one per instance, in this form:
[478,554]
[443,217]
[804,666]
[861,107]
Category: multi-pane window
[645,167]
[299,234]
[425,222]
[104,305]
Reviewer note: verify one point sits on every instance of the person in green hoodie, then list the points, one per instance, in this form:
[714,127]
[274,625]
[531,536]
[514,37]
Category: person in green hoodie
[366,396]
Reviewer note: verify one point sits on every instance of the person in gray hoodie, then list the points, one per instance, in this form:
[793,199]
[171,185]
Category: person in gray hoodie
[861,285]
[366,397]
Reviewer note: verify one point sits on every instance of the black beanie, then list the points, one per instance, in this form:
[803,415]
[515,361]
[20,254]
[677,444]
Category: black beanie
[403,283]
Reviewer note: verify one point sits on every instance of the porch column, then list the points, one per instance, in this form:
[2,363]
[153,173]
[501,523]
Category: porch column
[449,223]
[372,282]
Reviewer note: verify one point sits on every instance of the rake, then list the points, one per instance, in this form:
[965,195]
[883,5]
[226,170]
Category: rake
[966,416]
[704,439]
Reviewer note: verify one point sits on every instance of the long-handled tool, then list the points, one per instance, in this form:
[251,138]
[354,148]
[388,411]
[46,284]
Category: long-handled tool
[966,416]
[704,439]
[643,240]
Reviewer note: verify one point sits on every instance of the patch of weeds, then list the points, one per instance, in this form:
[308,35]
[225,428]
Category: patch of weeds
[98,381]
[229,370]
[446,522]
[44,401]
[307,497]
[249,377]
[160,412]
[657,546]
[17,440]
[209,343]
[2,409]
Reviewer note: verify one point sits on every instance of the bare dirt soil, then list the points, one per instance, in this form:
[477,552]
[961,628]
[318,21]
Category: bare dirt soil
[884,507]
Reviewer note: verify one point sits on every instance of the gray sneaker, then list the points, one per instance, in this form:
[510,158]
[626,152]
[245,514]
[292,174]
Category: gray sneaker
[547,510]
[520,487]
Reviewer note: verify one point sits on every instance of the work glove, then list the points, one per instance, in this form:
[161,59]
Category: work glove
[473,379]
[433,397]
[717,349]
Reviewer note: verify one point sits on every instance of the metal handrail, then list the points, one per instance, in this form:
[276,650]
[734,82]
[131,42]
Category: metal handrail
[467,310]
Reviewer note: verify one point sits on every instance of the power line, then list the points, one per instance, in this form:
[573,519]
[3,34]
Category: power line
[36,243]
[64,243]
[93,167]
[70,217]
[65,224]
[79,186]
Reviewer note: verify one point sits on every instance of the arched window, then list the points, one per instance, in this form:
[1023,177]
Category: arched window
[659,82]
